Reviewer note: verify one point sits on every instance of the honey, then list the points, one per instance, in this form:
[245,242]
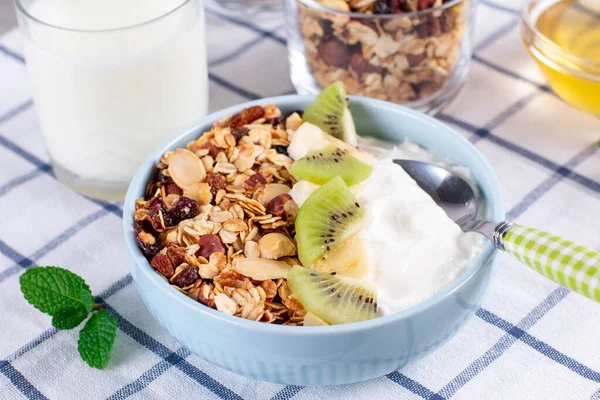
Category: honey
[566,47]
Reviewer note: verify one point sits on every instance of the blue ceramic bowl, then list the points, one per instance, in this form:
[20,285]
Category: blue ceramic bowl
[329,355]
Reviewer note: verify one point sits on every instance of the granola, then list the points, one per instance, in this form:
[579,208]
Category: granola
[387,54]
[217,221]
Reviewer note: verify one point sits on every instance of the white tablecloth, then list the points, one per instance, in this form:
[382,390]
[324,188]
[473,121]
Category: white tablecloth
[531,339]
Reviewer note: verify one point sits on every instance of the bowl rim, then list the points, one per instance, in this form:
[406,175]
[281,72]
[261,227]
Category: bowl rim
[138,185]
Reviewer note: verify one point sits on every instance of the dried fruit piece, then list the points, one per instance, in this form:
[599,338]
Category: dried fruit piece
[361,66]
[276,245]
[239,132]
[261,269]
[334,52]
[216,182]
[187,276]
[162,264]
[246,116]
[182,209]
[186,168]
[176,255]
[209,244]
[213,150]
[146,239]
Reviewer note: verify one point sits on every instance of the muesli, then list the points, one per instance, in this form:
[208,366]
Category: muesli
[270,218]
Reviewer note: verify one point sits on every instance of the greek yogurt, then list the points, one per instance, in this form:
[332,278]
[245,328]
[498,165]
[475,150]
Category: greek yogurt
[414,250]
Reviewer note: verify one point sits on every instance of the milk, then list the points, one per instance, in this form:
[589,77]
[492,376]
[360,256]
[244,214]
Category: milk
[106,98]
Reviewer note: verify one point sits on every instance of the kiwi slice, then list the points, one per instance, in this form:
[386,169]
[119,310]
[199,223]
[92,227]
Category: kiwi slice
[330,112]
[334,299]
[329,216]
[321,165]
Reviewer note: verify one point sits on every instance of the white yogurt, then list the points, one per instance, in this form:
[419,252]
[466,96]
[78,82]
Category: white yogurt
[106,99]
[414,249]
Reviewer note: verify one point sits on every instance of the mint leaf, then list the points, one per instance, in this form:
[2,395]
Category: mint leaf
[69,318]
[52,289]
[96,339]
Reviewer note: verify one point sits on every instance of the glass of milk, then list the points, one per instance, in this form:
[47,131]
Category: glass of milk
[112,79]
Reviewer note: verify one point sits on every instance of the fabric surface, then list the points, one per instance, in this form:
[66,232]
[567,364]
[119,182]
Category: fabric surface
[531,338]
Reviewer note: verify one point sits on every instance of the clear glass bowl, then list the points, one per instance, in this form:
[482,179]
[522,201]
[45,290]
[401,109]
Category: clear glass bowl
[418,59]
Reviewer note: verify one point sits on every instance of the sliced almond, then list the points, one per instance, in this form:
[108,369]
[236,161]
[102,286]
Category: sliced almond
[261,269]
[225,304]
[276,245]
[186,168]
[273,190]
[311,319]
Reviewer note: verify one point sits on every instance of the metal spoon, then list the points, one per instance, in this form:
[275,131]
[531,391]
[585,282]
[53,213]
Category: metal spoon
[569,264]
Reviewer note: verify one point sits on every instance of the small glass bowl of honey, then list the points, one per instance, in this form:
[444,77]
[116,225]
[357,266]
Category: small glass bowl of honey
[563,36]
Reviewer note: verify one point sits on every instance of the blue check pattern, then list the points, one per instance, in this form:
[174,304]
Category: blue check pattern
[531,339]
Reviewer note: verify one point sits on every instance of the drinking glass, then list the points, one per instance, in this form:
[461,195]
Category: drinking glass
[111,80]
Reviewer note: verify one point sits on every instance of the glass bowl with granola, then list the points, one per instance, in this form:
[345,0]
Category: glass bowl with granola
[411,52]
[272,241]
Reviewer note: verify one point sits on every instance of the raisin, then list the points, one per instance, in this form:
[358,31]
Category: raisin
[255,180]
[162,178]
[327,26]
[163,265]
[186,277]
[447,21]
[246,116]
[361,66]
[281,150]
[176,255]
[382,7]
[146,238]
[183,208]
[209,244]
[216,182]
[213,150]
[239,132]
[415,59]
[172,188]
[155,207]
[426,4]
[334,52]
[430,27]
[274,121]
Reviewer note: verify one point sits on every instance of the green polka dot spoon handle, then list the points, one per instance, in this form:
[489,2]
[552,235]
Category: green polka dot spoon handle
[569,264]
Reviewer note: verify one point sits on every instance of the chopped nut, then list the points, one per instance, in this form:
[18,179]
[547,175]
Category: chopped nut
[276,245]
[209,244]
[273,190]
[251,249]
[284,206]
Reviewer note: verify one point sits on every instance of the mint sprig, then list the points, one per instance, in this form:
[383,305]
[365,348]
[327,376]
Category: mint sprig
[66,297]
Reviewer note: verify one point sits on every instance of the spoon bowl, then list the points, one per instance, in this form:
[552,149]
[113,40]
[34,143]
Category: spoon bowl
[569,264]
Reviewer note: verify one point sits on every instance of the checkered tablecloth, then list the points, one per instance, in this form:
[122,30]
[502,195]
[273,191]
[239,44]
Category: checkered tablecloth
[530,340]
